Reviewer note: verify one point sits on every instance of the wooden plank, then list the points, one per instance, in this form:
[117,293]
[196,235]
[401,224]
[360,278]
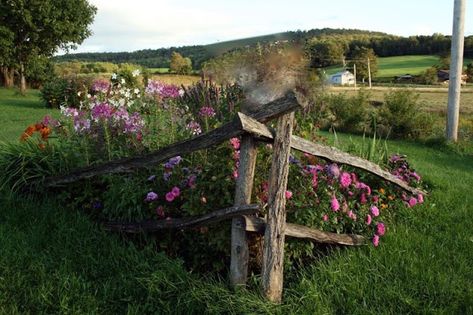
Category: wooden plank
[327,153]
[243,190]
[182,223]
[255,224]
[266,112]
[273,256]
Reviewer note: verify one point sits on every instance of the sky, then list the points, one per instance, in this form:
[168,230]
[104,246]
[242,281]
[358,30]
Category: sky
[129,25]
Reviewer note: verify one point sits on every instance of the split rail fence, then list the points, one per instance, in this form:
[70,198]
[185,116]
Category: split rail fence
[251,128]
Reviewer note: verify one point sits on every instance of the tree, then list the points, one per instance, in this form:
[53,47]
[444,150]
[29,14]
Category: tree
[179,64]
[360,57]
[41,27]
[325,53]
[6,57]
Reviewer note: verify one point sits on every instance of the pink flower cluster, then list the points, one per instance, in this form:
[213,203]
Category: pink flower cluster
[194,128]
[162,90]
[173,194]
[207,111]
[101,86]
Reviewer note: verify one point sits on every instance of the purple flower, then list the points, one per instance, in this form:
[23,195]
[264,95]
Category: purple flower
[235,143]
[412,202]
[167,175]
[368,219]
[172,162]
[101,111]
[191,181]
[420,198]
[151,178]
[175,191]
[345,179]
[100,86]
[207,111]
[162,90]
[333,170]
[151,196]
[380,228]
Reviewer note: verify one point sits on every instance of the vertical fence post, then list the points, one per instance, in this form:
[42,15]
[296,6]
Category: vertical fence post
[244,187]
[273,259]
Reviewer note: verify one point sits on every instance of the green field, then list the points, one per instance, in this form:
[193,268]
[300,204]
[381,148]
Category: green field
[54,260]
[389,67]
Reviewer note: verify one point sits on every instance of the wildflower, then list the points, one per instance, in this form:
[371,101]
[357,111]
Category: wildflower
[374,211]
[334,204]
[416,176]
[420,198]
[375,199]
[235,143]
[207,111]
[114,76]
[194,128]
[170,197]
[363,199]
[135,72]
[167,175]
[412,202]
[175,191]
[288,194]
[101,111]
[368,219]
[162,90]
[380,228]
[325,218]
[101,86]
[375,240]
[345,179]
[333,170]
[352,215]
[384,206]
[191,181]
[151,196]
[381,191]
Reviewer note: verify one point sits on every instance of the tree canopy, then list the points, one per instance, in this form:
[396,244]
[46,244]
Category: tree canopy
[41,27]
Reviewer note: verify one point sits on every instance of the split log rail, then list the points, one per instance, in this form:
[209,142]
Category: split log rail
[250,127]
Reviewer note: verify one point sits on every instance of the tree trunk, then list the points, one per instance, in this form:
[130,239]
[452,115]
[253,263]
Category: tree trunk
[7,77]
[22,79]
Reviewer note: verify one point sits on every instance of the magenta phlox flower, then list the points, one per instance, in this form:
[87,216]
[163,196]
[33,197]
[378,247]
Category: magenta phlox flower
[368,219]
[101,111]
[207,112]
[375,240]
[151,196]
[325,218]
[345,180]
[160,211]
[69,112]
[374,211]
[101,86]
[162,90]
[352,215]
[363,186]
[412,202]
[334,204]
[288,194]
[420,198]
[176,191]
[363,199]
[169,196]
[81,124]
[333,170]
[235,142]
[380,228]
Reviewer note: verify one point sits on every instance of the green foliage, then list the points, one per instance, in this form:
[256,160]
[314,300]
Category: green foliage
[70,91]
[429,76]
[469,72]
[361,57]
[325,52]
[350,114]
[400,116]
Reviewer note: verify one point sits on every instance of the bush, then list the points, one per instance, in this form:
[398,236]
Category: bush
[70,91]
[350,114]
[400,116]
[53,92]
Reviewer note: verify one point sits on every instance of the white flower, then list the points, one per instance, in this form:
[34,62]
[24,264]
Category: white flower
[123,81]
[79,93]
[136,72]
[89,96]
[114,76]
[137,91]
[181,92]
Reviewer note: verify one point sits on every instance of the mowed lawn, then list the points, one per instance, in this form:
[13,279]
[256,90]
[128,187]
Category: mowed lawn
[56,260]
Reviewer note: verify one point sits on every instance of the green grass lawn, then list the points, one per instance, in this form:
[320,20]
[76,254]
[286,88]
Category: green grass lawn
[54,260]
[17,112]
[400,65]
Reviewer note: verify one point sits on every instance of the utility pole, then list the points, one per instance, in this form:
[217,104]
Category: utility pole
[456,67]
[354,73]
[369,73]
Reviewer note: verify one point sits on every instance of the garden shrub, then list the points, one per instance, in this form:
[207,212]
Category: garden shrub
[400,116]
[70,91]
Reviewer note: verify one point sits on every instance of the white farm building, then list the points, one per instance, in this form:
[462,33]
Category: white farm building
[342,78]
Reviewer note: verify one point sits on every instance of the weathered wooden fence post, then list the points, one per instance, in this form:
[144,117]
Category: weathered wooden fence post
[244,187]
[273,259]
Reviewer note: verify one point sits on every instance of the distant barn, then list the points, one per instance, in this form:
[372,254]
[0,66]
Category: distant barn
[342,78]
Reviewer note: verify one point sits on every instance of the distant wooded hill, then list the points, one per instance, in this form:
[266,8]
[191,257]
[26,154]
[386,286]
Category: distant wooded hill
[383,44]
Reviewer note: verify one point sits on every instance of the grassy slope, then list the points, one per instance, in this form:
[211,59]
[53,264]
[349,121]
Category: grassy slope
[58,261]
